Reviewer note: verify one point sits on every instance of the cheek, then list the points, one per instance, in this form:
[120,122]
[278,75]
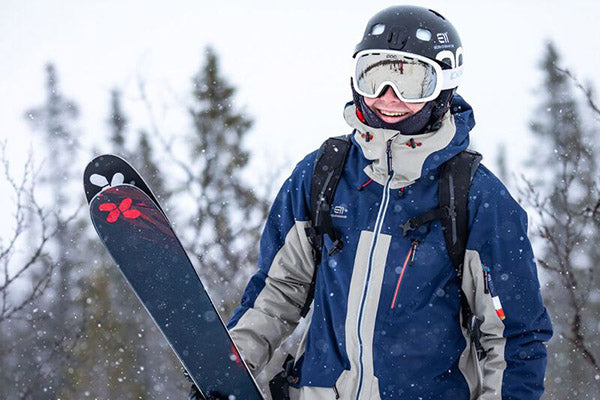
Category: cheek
[415,107]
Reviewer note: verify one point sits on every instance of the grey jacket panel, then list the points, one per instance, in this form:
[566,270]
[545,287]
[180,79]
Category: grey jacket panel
[493,365]
[371,290]
[276,310]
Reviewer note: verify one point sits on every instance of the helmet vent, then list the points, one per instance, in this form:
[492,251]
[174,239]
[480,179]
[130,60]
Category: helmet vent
[438,14]
[423,34]
[377,29]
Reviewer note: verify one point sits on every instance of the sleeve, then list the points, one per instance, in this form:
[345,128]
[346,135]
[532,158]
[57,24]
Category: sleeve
[272,301]
[502,282]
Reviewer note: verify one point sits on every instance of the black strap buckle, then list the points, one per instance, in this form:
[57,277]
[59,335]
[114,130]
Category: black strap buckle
[279,386]
[337,246]
[474,329]
[449,211]
[408,226]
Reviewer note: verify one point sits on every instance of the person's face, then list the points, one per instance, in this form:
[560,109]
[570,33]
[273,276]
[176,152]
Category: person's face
[390,108]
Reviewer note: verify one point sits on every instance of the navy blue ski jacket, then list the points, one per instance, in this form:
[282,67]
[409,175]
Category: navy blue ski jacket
[386,320]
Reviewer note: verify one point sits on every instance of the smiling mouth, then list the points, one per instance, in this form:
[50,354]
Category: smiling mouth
[392,113]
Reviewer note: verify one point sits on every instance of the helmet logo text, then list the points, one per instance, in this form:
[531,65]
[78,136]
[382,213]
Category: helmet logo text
[443,37]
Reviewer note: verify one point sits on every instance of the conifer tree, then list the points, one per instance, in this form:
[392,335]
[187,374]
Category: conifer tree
[226,213]
[117,123]
[501,162]
[55,122]
[565,163]
[145,158]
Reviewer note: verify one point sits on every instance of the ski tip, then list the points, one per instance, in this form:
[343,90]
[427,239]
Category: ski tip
[95,178]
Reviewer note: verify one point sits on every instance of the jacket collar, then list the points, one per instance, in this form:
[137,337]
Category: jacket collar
[412,155]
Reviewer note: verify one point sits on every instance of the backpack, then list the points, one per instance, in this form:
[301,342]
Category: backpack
[456,175]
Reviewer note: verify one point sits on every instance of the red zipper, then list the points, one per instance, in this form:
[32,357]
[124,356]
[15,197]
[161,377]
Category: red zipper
[410,258]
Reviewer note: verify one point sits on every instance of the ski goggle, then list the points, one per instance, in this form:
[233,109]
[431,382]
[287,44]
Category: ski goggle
[414,79]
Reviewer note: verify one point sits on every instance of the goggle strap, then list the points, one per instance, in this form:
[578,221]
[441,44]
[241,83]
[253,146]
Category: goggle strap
[451,77]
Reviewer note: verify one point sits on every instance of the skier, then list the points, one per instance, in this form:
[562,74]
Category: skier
[394,314]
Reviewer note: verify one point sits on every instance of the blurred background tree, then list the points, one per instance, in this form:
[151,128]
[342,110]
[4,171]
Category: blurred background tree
[561,198]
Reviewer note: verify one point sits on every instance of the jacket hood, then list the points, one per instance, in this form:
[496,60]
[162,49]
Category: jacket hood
[412,155]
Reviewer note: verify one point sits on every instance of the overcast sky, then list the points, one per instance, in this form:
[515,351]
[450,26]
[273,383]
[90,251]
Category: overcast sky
[289,60]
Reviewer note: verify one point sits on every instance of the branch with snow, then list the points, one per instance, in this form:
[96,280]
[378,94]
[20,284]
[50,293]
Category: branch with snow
[31,224]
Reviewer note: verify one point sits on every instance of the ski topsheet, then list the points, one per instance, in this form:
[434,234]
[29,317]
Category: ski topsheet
[138,236]
[110,170]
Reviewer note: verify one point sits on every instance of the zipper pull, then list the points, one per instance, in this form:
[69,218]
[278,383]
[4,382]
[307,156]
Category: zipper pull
[388,153]
[413,251]
[486,287]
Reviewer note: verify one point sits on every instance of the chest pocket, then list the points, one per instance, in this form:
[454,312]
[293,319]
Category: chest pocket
[419,276]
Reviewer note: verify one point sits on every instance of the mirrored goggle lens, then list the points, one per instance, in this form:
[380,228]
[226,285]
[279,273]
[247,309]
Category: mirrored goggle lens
[413,78]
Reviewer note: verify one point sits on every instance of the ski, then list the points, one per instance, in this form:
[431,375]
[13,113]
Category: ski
[140,239]
[110,170]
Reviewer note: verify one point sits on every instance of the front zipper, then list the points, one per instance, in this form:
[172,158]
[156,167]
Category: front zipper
[388,156]
[409,260]
[377,230]
[486,278]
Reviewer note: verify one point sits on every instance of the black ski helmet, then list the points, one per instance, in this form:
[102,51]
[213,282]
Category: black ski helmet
[416,30]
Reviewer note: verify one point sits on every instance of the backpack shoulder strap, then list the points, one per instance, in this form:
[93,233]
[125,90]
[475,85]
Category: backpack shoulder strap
[327,171]
[455,182]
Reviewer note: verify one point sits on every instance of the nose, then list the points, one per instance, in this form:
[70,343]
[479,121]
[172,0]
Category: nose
[389,94]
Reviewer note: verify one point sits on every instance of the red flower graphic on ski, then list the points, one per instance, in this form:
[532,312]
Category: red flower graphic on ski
[131,203]
[114,212]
